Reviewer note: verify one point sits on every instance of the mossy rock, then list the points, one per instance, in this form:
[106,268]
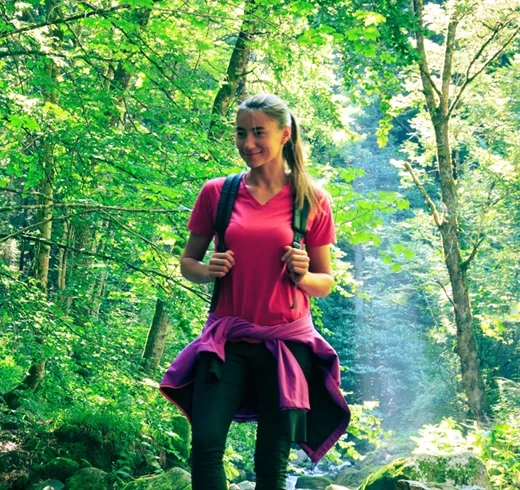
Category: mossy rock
[48,485]
[174,479]
[415,485]
[91,478]
[60,468]
[350,477]
[313,482]
[457,469]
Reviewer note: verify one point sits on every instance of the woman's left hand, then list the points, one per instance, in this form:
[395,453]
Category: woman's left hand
[297,262]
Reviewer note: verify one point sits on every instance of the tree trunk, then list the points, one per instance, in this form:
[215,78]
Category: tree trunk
[44,213]
[438,103]
[472,383]
[236,72]
[156,338]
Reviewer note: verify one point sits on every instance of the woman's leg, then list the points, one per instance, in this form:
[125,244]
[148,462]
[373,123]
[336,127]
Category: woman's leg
[272,444]
[214,405]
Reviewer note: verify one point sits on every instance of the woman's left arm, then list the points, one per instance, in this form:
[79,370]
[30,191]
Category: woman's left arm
[311,269]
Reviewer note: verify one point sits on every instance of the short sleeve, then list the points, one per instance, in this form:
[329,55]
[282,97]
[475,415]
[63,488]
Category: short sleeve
[201,219]
[321,227]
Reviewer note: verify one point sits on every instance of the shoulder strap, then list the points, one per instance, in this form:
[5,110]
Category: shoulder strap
[299,223]
[225,207]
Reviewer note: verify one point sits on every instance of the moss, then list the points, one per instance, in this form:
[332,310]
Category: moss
[386,477]
[60,468]
[459,469]
[174,479]
[313,482]
[91,478]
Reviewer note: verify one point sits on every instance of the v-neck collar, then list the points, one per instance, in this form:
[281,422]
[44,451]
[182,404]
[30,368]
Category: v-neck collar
[255,200]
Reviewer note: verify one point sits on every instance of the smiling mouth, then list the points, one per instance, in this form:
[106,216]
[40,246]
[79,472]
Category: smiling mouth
[252,154]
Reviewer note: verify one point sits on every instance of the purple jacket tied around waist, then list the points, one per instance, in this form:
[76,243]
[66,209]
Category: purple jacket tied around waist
[326,410]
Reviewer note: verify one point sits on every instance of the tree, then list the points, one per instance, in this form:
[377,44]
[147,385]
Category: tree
[498,32]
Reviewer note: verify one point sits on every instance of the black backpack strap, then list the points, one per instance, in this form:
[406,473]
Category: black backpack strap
[299,226]
[225,207]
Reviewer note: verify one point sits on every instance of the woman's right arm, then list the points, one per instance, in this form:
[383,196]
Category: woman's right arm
[192,267]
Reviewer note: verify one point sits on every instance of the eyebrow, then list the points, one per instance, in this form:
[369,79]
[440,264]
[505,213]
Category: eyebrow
[256,128]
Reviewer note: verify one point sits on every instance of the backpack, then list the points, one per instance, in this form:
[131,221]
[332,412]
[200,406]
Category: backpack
[224,209]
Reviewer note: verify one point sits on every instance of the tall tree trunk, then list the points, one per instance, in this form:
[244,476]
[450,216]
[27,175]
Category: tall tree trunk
[156,340]
[472,382]
[44,213]
[236,72]
[437,100]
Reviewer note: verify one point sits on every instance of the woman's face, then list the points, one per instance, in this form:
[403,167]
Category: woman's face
[259,139]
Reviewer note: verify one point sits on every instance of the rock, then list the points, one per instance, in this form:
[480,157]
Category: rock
[60,468]
[241,476]
[301,457]
[456,469]
[233,486]
[48,485]
[336,487]
[174,479]
[415,485]
[246,485]
[313,482]
[350,477]
[91,478]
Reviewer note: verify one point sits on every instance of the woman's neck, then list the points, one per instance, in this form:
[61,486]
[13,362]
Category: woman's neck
[267,177]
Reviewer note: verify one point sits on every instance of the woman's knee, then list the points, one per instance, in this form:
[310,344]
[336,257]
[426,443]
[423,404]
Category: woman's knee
[271,464]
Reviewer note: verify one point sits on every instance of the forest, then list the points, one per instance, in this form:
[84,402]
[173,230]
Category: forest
[113,114]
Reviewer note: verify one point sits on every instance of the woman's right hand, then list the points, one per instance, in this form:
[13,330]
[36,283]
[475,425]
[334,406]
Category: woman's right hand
[220,264]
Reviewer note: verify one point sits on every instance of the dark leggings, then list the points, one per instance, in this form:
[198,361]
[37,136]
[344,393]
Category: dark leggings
[215,403]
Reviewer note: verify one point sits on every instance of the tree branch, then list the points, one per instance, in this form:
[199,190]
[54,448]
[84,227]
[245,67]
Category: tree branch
[91,208]
[448,61]
[204,296]
[84,15]
[468,78]
[429,91]
[7,54]
[427,198]
[446,293]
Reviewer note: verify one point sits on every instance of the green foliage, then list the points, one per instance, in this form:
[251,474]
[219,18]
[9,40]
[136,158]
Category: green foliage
[498,446]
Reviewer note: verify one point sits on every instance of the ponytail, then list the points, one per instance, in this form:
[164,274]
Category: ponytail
[302,184]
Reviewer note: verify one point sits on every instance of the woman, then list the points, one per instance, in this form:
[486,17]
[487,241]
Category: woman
[259,356]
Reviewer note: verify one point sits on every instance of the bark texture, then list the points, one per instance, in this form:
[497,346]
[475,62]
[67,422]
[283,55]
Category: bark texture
[236,71]
[438,101]
[45,212]
[156,340]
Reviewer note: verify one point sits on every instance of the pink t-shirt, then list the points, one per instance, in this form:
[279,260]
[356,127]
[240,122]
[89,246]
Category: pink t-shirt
[258,288]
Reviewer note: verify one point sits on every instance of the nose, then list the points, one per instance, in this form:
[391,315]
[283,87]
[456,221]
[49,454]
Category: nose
[249,141]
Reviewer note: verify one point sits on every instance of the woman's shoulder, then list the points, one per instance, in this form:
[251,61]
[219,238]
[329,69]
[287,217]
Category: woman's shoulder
[215,183]
[212,188]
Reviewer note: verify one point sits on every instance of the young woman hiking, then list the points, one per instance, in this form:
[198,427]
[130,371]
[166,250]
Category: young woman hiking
[259,357]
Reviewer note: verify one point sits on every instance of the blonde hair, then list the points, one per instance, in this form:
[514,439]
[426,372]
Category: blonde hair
[277,109]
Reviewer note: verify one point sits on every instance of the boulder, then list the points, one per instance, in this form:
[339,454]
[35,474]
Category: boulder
[313,482]
[91,478]
[301,457]
[415,485]
[455,469]
[246,485]
[60,468]
[336,487]
[174,479]
[350,477]
[48,485]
